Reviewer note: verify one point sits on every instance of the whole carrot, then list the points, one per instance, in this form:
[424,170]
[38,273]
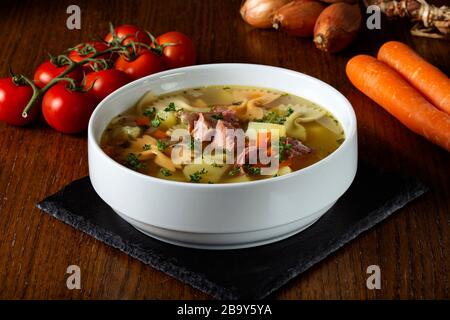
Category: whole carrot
[425,77]
[388,88]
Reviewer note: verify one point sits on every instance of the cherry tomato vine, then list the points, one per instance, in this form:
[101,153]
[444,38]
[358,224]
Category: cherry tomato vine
[87,54]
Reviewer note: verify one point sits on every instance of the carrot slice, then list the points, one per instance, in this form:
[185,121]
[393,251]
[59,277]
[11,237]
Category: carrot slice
[159,134]
[390,90]
[263,139]
[143,121]
[285,163]
[425,77]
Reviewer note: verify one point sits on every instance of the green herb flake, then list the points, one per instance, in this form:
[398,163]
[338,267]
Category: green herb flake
[161,145]
[290,111]
[273,117]
[339,141]
[254,170]
[218,116]
[150,112]
[156,122]
[194,142]
[284,148]
[170,107]
[133,162]
[234,171]
[197,176]
[226,88]
[216,165]
[165,172]
[146,147]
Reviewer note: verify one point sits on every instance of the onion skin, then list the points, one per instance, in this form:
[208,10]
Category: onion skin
[259,13]
[337,26]
[298,17]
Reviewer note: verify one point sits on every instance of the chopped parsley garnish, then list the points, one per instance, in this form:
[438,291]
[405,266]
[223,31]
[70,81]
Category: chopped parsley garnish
[170,107]
[284,148]
[234,171]
[216,165]
[161,145]
[146,147]
[339,141]
[193,142]
[226,88]
[218,116]
[156,122]
[133,162]
[197,176]
[253,170]
[273,117]
[165,172]
[150,112]
[290,111]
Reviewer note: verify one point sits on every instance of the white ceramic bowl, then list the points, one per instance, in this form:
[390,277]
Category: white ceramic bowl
[224,216]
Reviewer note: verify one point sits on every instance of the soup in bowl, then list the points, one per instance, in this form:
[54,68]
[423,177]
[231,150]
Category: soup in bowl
[223,156]
[221,134]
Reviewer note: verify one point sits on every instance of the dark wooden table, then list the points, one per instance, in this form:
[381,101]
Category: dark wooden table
[411,247]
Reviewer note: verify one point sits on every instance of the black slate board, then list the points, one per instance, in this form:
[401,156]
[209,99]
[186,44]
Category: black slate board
[247,273]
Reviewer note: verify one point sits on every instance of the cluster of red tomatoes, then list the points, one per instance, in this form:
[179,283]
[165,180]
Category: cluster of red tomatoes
[68,103]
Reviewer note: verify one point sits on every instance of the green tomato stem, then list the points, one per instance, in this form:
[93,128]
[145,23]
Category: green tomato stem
[38,92]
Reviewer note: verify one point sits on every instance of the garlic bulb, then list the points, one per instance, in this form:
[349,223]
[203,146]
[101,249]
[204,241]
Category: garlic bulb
[259,13]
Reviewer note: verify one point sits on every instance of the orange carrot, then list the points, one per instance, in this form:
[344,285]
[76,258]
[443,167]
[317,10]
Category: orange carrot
[263,139]
[285,163]
[143,121]
[425,77]
[388,88]
[159,134]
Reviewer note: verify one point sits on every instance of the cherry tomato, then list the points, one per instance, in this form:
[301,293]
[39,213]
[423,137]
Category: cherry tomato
[13,99]
[67,111]
[181,53]
[82,53]
[129,33]
[106,81]
[146,63]
[47,71]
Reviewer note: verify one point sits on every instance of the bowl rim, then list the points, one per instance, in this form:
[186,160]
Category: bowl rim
[352,128]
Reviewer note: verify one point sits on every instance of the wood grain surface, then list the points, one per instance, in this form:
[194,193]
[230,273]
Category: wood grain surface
[411,247]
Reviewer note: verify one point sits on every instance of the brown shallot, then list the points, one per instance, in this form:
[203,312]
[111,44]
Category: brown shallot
[298,17]
[337,26]
[259,13]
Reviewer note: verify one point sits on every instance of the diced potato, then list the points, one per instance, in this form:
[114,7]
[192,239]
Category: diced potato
[255,127]
[242,178]
[168,118]
[284,170]
[127,132]
[205,173]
